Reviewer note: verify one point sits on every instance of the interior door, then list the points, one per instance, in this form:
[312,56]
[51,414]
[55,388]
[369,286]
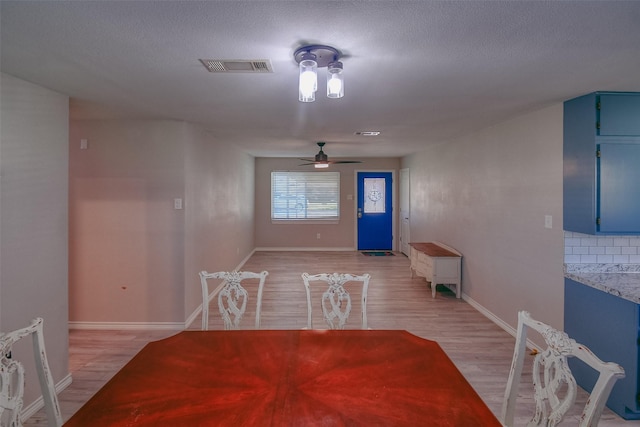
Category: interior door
[375,210]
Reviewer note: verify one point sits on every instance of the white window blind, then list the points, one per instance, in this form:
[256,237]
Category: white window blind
[305,195]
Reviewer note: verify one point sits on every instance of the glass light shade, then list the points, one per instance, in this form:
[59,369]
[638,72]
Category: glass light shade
[321,165]
[335,80]
[308,80]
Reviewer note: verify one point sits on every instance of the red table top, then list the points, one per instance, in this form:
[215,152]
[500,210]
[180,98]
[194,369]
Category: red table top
[288,378]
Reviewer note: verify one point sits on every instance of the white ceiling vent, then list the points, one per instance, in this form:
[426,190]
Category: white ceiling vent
[238,65]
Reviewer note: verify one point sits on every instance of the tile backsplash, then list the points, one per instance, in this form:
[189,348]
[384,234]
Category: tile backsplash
[589,249]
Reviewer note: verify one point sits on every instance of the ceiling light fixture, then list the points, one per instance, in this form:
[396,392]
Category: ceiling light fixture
[309,59]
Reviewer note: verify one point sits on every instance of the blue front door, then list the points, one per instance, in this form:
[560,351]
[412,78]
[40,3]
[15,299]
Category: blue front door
[375,215]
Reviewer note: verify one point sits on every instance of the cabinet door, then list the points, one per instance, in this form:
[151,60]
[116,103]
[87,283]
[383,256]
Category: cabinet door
[579,156]
[608,325]
[620,114]
[619,190]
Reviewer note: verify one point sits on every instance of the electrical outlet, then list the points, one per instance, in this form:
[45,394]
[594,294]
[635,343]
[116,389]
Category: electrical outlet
[318,236]
[548,221]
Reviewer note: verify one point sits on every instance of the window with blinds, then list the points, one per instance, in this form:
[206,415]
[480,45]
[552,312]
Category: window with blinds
[305,195]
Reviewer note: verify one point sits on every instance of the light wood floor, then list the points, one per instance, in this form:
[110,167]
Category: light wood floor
[480,349]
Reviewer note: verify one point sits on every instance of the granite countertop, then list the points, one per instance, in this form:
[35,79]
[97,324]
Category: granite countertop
[621,280]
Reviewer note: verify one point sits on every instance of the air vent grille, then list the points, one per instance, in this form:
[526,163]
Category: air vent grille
[237,65]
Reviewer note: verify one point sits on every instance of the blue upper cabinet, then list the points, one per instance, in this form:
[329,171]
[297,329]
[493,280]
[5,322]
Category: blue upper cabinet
[619,114]
[619,204]
[601,162]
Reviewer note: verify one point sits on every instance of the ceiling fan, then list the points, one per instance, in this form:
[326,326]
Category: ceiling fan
[322,160]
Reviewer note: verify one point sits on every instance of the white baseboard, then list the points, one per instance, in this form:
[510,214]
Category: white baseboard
[293,249]
[495,319]
[489,315]
[142,326]
[193,316]
[36,405]
[244,261]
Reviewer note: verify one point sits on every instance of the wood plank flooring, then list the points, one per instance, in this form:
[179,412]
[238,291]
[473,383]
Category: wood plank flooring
[480,349]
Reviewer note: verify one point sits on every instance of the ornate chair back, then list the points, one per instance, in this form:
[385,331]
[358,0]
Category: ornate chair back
[554,385]
[12,377]
[336,301]
[232,296]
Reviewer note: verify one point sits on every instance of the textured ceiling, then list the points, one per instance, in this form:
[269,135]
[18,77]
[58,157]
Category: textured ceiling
[420,72]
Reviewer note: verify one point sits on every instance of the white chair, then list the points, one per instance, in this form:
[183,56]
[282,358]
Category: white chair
[336,301]
[232,297]
[554,384]
[12,377]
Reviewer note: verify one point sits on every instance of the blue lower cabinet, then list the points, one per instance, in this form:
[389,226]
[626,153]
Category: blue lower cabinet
[610,327]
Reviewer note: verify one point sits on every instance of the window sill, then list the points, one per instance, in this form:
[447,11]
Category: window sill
[305,221]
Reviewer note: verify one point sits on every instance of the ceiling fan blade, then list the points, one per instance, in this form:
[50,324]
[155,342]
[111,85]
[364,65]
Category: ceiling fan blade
[322,159]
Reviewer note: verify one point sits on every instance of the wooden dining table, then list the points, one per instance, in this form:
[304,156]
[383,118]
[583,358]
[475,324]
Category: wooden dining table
[288,378]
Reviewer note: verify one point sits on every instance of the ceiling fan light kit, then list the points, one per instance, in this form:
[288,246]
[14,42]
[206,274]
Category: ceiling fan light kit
[309,59]
[308,84]
[335,80]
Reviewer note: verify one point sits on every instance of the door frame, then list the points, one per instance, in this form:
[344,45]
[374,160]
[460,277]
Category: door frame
[404,193]
[394,207]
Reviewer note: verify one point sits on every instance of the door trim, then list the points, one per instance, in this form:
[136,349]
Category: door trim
[404,230]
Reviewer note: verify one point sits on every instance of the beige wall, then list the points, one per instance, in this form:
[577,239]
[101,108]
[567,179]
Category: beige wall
[219,210]
[487,195]
[134,259]
[126,240]
[333,236]
[33,220]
